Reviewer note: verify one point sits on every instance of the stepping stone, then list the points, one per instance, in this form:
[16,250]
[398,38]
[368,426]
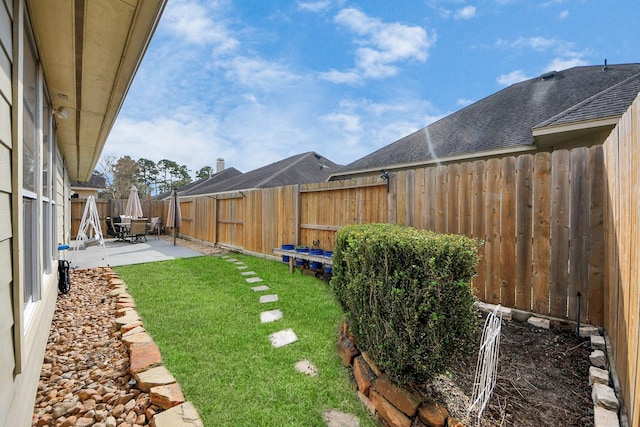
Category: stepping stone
[225,257]
[270,316]
[242,267]
[239,262]
[232,260]
[334,418]
[249,273]
[282,338]
[254,279]
[260,288]
[307,368]
[268,298]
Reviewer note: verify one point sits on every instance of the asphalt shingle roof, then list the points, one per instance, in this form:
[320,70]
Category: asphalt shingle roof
[299,169]
[506,118]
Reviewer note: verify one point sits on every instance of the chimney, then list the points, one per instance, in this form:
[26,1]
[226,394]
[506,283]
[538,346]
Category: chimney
[219,164]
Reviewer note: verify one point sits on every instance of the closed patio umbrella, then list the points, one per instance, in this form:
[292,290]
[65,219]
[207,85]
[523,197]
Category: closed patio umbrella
[174,217]
[133,208]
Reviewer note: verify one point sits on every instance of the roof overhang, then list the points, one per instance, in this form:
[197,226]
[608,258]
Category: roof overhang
[90,51]
[557,135]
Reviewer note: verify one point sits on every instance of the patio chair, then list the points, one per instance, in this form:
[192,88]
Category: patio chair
[155,226]
[138,229]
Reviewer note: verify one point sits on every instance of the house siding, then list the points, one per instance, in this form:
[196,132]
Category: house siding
[22,339]
[7,357]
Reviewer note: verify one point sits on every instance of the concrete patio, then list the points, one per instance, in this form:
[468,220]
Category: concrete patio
[120,252]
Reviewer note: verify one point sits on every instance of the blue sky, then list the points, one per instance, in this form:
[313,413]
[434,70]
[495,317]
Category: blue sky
[256,81]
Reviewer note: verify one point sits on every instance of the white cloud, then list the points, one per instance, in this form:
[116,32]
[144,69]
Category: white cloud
[463,102]
[558,64]
[192,23]
[383,46]
[466,12]
[315,6]
[346,124]
[564,14]
[512,78]
[257,73]
[349,77]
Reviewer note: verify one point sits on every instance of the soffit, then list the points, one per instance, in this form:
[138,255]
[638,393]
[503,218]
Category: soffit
[90,51]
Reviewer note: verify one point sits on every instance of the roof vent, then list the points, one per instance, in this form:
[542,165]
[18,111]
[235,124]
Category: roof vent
[548,75]
[605,65]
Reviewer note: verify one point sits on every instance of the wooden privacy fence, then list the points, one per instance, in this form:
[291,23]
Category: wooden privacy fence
[622,254]
[540,216]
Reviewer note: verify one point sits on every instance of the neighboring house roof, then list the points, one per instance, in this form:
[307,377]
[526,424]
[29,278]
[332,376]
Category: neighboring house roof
[218,177]
[302,168]
[95,182]
[506,120]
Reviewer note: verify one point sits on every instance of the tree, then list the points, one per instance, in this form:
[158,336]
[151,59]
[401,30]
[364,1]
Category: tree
[204,172]
[147,176]
[125,174]
[172,175]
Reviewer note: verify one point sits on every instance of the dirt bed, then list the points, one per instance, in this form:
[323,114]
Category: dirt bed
[542,380]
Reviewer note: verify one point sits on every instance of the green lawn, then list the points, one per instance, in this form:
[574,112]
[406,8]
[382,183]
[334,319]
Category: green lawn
[206,320]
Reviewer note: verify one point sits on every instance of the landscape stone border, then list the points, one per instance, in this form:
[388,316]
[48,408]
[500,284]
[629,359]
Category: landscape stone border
[145,362]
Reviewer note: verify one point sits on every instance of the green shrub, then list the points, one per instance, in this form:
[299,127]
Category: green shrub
[407,296]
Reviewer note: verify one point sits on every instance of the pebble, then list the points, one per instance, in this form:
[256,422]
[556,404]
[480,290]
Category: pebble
[84,380]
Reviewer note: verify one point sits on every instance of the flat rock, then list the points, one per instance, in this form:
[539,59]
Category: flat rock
[154,377]
[539,322]
[282,338]
[249,273]
[253,280]
[260,288]
[604,396]
[136,330]
[588,330]
[598,359]
[166,396]
[605,417]
[231,260]
[598,343]
[333,418]
[505,312]
[270,316]
[598,376]
[242,267]
[183,415]
[137,338]
[143,355]
[268,298]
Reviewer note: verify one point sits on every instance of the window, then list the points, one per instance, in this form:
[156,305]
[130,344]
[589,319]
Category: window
[31,163]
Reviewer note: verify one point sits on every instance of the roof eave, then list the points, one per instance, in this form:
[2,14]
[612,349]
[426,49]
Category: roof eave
[90,52]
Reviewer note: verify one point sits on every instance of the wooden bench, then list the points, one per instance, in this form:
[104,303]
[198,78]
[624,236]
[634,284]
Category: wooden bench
[293,256]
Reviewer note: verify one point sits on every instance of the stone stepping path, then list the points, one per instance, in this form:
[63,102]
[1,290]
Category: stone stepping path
[249,273]
[260,288]
[268,298]
[282,338]
[253,280]
[270,316]
[232,260]
[242,267]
